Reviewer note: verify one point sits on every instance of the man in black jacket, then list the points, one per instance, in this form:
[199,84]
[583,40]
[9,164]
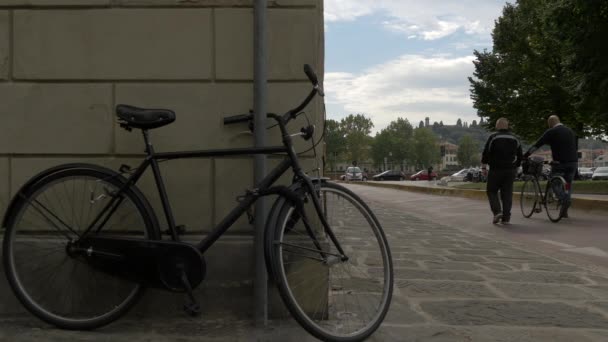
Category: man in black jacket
[503,153]
[564,152]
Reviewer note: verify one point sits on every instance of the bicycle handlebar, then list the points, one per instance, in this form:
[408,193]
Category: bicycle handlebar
[311,74]
[291,114]
[237,119]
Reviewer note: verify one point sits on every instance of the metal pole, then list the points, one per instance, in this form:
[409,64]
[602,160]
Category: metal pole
[259,109]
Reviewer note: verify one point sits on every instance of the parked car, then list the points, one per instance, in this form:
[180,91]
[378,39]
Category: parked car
[585,173]
[600,173]
[389,175]
[354,173]
[458,176]
[423,175]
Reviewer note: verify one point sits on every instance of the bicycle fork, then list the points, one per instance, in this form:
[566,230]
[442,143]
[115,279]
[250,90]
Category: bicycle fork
[329,258]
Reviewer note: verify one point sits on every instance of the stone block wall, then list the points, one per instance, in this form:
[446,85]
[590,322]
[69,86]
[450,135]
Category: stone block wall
[65,64]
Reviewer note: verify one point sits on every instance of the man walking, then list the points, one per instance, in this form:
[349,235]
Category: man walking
[564,152]
[503,153]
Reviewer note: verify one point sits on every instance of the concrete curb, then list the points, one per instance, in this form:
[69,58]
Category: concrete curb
[586,204]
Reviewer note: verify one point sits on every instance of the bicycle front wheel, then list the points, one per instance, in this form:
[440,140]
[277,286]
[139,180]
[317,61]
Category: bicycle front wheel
[554,198]
[52,281]
[528,199]
[332,299]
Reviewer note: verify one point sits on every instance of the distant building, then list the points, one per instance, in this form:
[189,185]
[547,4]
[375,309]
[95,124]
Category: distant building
[449,158]
[587,157]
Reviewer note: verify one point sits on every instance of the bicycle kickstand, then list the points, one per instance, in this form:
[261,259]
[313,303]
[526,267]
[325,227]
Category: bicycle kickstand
[191,307]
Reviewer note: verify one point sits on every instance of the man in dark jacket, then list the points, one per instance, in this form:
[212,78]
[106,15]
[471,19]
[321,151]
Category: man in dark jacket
[503,153]
[564,152]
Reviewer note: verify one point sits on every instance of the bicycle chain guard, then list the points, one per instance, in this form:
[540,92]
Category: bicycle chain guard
[153,263]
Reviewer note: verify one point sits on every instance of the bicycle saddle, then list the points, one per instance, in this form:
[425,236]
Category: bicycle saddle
[144,118]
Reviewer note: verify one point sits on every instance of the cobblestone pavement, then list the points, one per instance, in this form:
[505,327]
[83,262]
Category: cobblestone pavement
[451,285]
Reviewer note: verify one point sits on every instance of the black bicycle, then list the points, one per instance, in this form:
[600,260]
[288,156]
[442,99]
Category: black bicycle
[81,241]
[532,198]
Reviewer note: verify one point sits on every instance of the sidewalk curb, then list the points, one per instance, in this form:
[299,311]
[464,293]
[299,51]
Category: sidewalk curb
[586,204]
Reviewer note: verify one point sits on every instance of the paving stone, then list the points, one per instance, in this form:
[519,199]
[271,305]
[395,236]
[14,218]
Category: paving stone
[411,256]
[541,291]
[516,252]
[598,335]
[599,291]
[535,277]
[448,265]
[601,305]
[430,251]
[522,259]
[472,258]
[446,244]
[405,263]
[490,245]
[451,289]
[516,266]
[554,268]
[599,280]
[496,266]
[401,313]
[473,251]
[524,313]
[436,275]
[442,333]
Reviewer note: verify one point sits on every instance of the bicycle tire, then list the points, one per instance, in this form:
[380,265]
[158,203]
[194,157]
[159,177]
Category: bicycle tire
[333,294]
[529,195]
[553,202]
[29,230]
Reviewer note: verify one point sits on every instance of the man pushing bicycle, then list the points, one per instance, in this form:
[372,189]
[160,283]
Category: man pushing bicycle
[564,152]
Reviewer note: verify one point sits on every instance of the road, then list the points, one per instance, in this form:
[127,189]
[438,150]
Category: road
[582,239]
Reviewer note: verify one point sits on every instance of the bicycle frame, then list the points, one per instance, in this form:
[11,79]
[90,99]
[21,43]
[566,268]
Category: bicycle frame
[262,189]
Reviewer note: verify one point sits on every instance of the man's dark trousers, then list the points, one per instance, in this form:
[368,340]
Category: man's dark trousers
[501,179]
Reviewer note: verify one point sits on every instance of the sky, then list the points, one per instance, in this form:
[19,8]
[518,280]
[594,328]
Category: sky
[404,58]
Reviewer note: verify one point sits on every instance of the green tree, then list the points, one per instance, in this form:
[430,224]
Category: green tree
[356,129]
[468,151]
[335,143]
[381,147]
[548,57]
[394,142]
[459,123]
[425,148]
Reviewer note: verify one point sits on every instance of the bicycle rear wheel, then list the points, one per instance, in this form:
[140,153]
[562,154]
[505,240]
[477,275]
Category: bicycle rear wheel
[334,300]
[528,199]
[50,279]
[554,198]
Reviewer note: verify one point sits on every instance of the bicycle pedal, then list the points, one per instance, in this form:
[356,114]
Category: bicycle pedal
[538,210]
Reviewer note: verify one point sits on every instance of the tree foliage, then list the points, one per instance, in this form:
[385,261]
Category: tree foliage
[335,142]
[468,151]
[394,140]
[548,57]
[356,129]
[425,148]
[348,139]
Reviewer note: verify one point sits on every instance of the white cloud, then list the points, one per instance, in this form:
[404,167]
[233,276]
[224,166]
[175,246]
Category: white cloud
[428,20]
[346,10]
[412,86]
